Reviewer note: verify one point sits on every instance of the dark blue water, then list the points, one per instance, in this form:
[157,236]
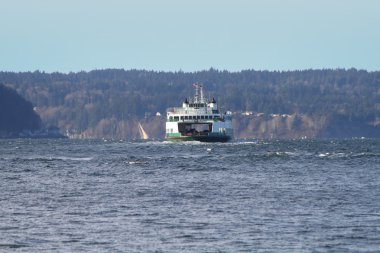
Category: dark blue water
[280,196]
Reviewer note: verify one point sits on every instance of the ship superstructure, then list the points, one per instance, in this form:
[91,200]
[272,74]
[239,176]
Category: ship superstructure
[198,120]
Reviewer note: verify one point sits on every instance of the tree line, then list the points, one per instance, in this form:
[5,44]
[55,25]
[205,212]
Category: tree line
[81,100]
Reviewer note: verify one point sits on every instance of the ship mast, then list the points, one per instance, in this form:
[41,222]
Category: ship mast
[199,97]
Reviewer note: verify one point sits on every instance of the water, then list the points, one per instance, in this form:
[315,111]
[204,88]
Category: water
[278,196]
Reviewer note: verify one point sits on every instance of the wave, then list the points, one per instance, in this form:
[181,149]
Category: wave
[52,158]
[338,155]
[136,162]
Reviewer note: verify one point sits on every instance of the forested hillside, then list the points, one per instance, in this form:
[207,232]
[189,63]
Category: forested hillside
[109,103]
[16,114]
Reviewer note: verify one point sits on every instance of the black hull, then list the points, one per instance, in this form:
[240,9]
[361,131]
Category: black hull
[224,138]
[201,138]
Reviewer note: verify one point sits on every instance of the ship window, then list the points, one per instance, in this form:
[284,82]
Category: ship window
[176,118]
[202,117]
[186,117]
[171,118]
[198,117]
[181,117]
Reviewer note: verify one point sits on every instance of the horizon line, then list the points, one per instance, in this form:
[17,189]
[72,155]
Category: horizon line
[186,72]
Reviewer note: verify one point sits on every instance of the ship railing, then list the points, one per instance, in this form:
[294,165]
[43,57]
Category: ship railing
[191,111]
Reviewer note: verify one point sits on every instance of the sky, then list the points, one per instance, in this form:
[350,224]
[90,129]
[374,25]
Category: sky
[173,35]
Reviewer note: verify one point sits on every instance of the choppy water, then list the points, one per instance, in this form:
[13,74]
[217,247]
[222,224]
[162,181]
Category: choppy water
[280,196]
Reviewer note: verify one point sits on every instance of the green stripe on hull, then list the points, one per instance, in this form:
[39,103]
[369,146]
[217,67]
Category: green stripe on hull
[179,138]
[174,135]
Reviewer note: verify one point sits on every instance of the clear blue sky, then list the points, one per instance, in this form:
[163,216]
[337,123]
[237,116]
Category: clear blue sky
[75,35]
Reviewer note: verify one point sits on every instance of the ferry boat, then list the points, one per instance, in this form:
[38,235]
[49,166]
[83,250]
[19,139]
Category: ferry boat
[198,120]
